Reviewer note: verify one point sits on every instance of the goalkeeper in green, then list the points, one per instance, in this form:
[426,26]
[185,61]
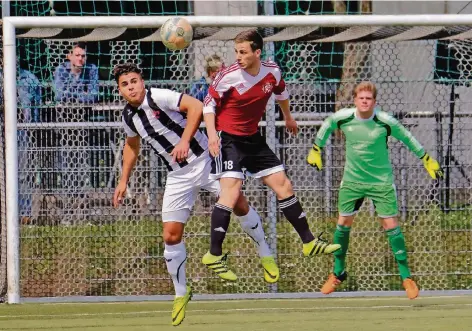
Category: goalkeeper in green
[368,174]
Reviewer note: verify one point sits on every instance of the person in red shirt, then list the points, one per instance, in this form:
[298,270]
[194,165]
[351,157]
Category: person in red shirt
[235,104]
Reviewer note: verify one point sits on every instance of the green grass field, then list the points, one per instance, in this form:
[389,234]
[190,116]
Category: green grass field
[327,314]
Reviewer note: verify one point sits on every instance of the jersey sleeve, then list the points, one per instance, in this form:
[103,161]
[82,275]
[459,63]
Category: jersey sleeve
[215,92]
[398,131]
[325,131]
[129,132]
[166,99]
[280,90]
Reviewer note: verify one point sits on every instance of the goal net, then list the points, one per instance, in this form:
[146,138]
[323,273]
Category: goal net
[74,243]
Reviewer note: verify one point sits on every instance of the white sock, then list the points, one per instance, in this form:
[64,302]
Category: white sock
[252,225]
[176,257]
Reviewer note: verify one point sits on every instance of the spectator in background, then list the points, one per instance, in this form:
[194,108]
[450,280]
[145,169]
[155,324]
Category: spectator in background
[199,89]
[29,96]
[29,102]
[74,80]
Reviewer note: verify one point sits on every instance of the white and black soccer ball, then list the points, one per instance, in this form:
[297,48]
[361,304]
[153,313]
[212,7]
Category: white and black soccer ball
[176,33]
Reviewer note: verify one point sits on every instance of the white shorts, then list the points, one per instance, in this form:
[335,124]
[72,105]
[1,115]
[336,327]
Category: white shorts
[183,186]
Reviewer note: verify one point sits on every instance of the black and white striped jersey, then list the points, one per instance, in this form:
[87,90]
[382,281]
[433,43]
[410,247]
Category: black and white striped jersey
[160,123]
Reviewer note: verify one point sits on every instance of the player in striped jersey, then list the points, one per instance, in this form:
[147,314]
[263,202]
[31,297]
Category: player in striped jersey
[235,104]
[156,116]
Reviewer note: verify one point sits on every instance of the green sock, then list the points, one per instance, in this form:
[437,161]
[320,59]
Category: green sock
[397,244]
[341,237]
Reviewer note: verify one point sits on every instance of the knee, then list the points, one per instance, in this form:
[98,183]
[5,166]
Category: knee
[287,187]
[389,223]
[242,207]
[346,220]
[230,194]
[172,236]
[283,188]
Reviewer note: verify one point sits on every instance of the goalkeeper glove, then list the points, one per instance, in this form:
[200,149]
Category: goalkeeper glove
[432,166]
[314,157]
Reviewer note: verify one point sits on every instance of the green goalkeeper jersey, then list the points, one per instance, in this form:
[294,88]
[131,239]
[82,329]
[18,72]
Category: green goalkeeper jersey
[367,159]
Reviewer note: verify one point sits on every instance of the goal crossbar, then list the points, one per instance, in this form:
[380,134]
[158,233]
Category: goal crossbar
[242,21]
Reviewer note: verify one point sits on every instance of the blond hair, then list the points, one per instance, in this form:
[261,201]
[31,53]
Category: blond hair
[366,86]
[213,63]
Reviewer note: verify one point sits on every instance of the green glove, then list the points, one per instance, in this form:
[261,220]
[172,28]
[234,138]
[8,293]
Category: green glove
[432,166]
[314,157]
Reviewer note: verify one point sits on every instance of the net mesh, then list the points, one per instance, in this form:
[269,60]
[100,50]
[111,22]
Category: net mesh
[74,243]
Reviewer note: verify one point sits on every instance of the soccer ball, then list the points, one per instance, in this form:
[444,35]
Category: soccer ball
[176,33]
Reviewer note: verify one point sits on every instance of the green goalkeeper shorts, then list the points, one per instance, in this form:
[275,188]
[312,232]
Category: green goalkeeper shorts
[351,196]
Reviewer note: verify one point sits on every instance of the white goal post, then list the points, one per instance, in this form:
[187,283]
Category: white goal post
[10,24]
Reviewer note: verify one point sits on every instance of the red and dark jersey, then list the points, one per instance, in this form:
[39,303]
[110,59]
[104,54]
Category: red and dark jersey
[240,99]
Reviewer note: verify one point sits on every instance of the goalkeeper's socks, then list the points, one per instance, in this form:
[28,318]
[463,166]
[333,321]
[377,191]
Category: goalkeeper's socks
[341,237]
[252,225]
[293,211]
[397,244]
[176,256]
[220,218]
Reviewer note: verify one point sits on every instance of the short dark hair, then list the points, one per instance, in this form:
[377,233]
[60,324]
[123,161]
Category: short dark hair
[254,38]
[79,44]
[125,68]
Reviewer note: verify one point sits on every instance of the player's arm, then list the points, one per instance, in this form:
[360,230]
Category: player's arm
[194,109]
[290,123]
[404,135]
[283,99]
[212,100]
[314,156]
[130,156]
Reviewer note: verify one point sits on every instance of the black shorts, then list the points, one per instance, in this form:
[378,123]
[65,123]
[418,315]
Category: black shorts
[249,153]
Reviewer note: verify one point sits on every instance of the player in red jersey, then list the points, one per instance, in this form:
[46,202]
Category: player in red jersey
[235,104]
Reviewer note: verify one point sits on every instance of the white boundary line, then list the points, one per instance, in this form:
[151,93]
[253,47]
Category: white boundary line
[244,310]
[421,298]
[246,296]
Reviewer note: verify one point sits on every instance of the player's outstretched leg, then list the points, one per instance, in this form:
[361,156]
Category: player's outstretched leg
[397,244]
[252,225]
[220,218]
[294,213]
[214,259]
[175,255]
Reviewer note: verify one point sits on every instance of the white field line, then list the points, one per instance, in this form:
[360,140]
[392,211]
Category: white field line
[254,300]
[237,310]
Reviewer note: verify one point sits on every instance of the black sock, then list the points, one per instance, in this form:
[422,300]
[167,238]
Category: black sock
[293,211]
[220,218]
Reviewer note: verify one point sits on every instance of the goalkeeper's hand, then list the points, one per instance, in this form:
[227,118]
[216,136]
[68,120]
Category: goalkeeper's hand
[432,166]
[314,157]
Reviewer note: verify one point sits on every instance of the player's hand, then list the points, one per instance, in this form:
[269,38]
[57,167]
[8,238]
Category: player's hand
[433,167]
[314,157]
[291,126]
[120,191]
[180,151]
[214,145]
